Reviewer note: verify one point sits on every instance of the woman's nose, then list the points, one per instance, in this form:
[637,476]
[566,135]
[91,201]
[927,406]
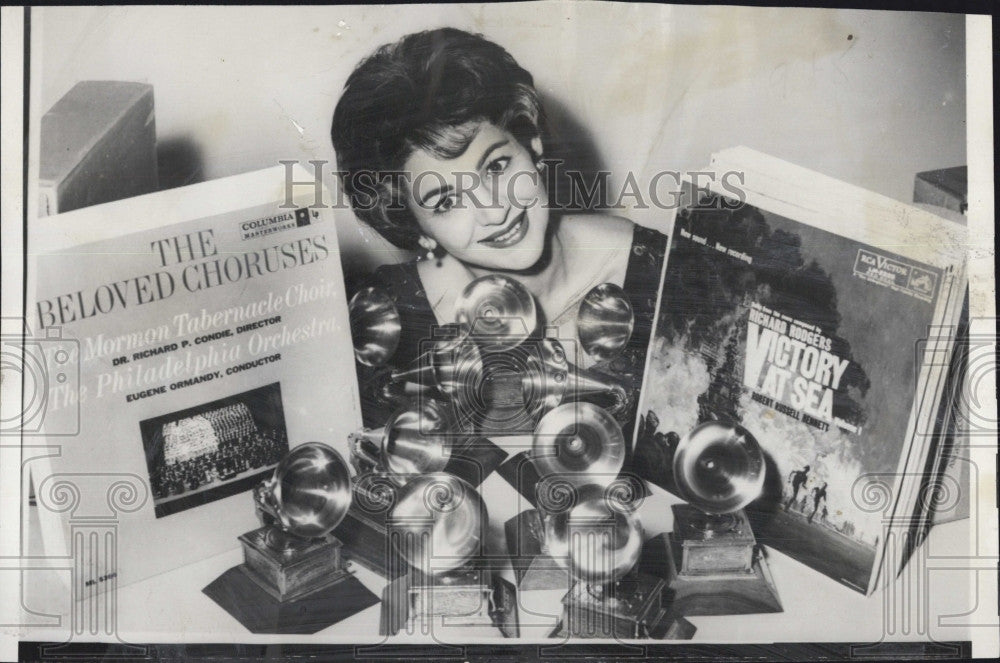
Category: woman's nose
[494,208]
[493,215]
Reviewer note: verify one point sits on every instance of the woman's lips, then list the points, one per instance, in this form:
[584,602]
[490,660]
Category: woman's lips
[512,234]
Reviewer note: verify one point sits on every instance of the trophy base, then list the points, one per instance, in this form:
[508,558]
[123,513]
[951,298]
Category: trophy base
[631,608]
[365,532]
[474,460]
[727,593]
[366,542]
[709,545]
[533,568]
[260,612]
[289,585]
[717,572]
[469,597]
[296,568]
[462,598]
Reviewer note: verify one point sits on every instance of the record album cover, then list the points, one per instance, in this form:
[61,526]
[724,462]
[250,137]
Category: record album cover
[192,339]
[812,341]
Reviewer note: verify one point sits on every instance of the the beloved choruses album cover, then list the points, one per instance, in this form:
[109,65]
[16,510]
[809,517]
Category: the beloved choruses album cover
[190,338]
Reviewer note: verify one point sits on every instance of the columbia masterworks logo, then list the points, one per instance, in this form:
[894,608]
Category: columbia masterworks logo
[269,225]
[900,276]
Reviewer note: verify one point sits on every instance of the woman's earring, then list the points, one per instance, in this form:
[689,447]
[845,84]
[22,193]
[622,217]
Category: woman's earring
[430,245]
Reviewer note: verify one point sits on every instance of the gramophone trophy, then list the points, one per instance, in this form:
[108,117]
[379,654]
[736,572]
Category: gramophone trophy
[448,362]
[719,469]
[305,500]
[520,372]
[294,558]
[574,445]
[610,598]
[506,390]
[551,379]
[498,375]
[579,442]
[375,326]
[414,441]
[493,307]
[498,316]
[605,321]
[498,308]
[438,527]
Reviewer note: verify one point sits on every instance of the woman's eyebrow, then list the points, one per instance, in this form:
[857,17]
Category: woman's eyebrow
[433,192]
[489,150]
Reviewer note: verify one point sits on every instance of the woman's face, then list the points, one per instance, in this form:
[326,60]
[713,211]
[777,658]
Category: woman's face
[486,207]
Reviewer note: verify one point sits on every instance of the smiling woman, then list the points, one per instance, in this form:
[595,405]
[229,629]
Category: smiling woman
[482,202]
[440,144]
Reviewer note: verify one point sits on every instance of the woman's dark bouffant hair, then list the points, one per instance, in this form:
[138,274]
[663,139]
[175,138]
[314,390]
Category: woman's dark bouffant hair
[423,93]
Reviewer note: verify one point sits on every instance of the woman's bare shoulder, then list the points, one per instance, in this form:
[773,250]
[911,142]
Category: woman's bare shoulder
[604,230]
[597,245]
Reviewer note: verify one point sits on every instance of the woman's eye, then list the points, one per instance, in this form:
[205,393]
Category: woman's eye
[497,166]
[445,204]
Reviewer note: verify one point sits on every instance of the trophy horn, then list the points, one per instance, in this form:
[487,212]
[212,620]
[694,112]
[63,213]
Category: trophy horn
[550,378]
[605,321]
[598,538]
[719,467]
[375,326]
[308,494]
[437,523]
[415,440]
[581,443]
[546,376]
[451,362]
[388,391]
[497,307]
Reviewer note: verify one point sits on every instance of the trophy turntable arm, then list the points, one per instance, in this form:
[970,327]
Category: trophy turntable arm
[364,453]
